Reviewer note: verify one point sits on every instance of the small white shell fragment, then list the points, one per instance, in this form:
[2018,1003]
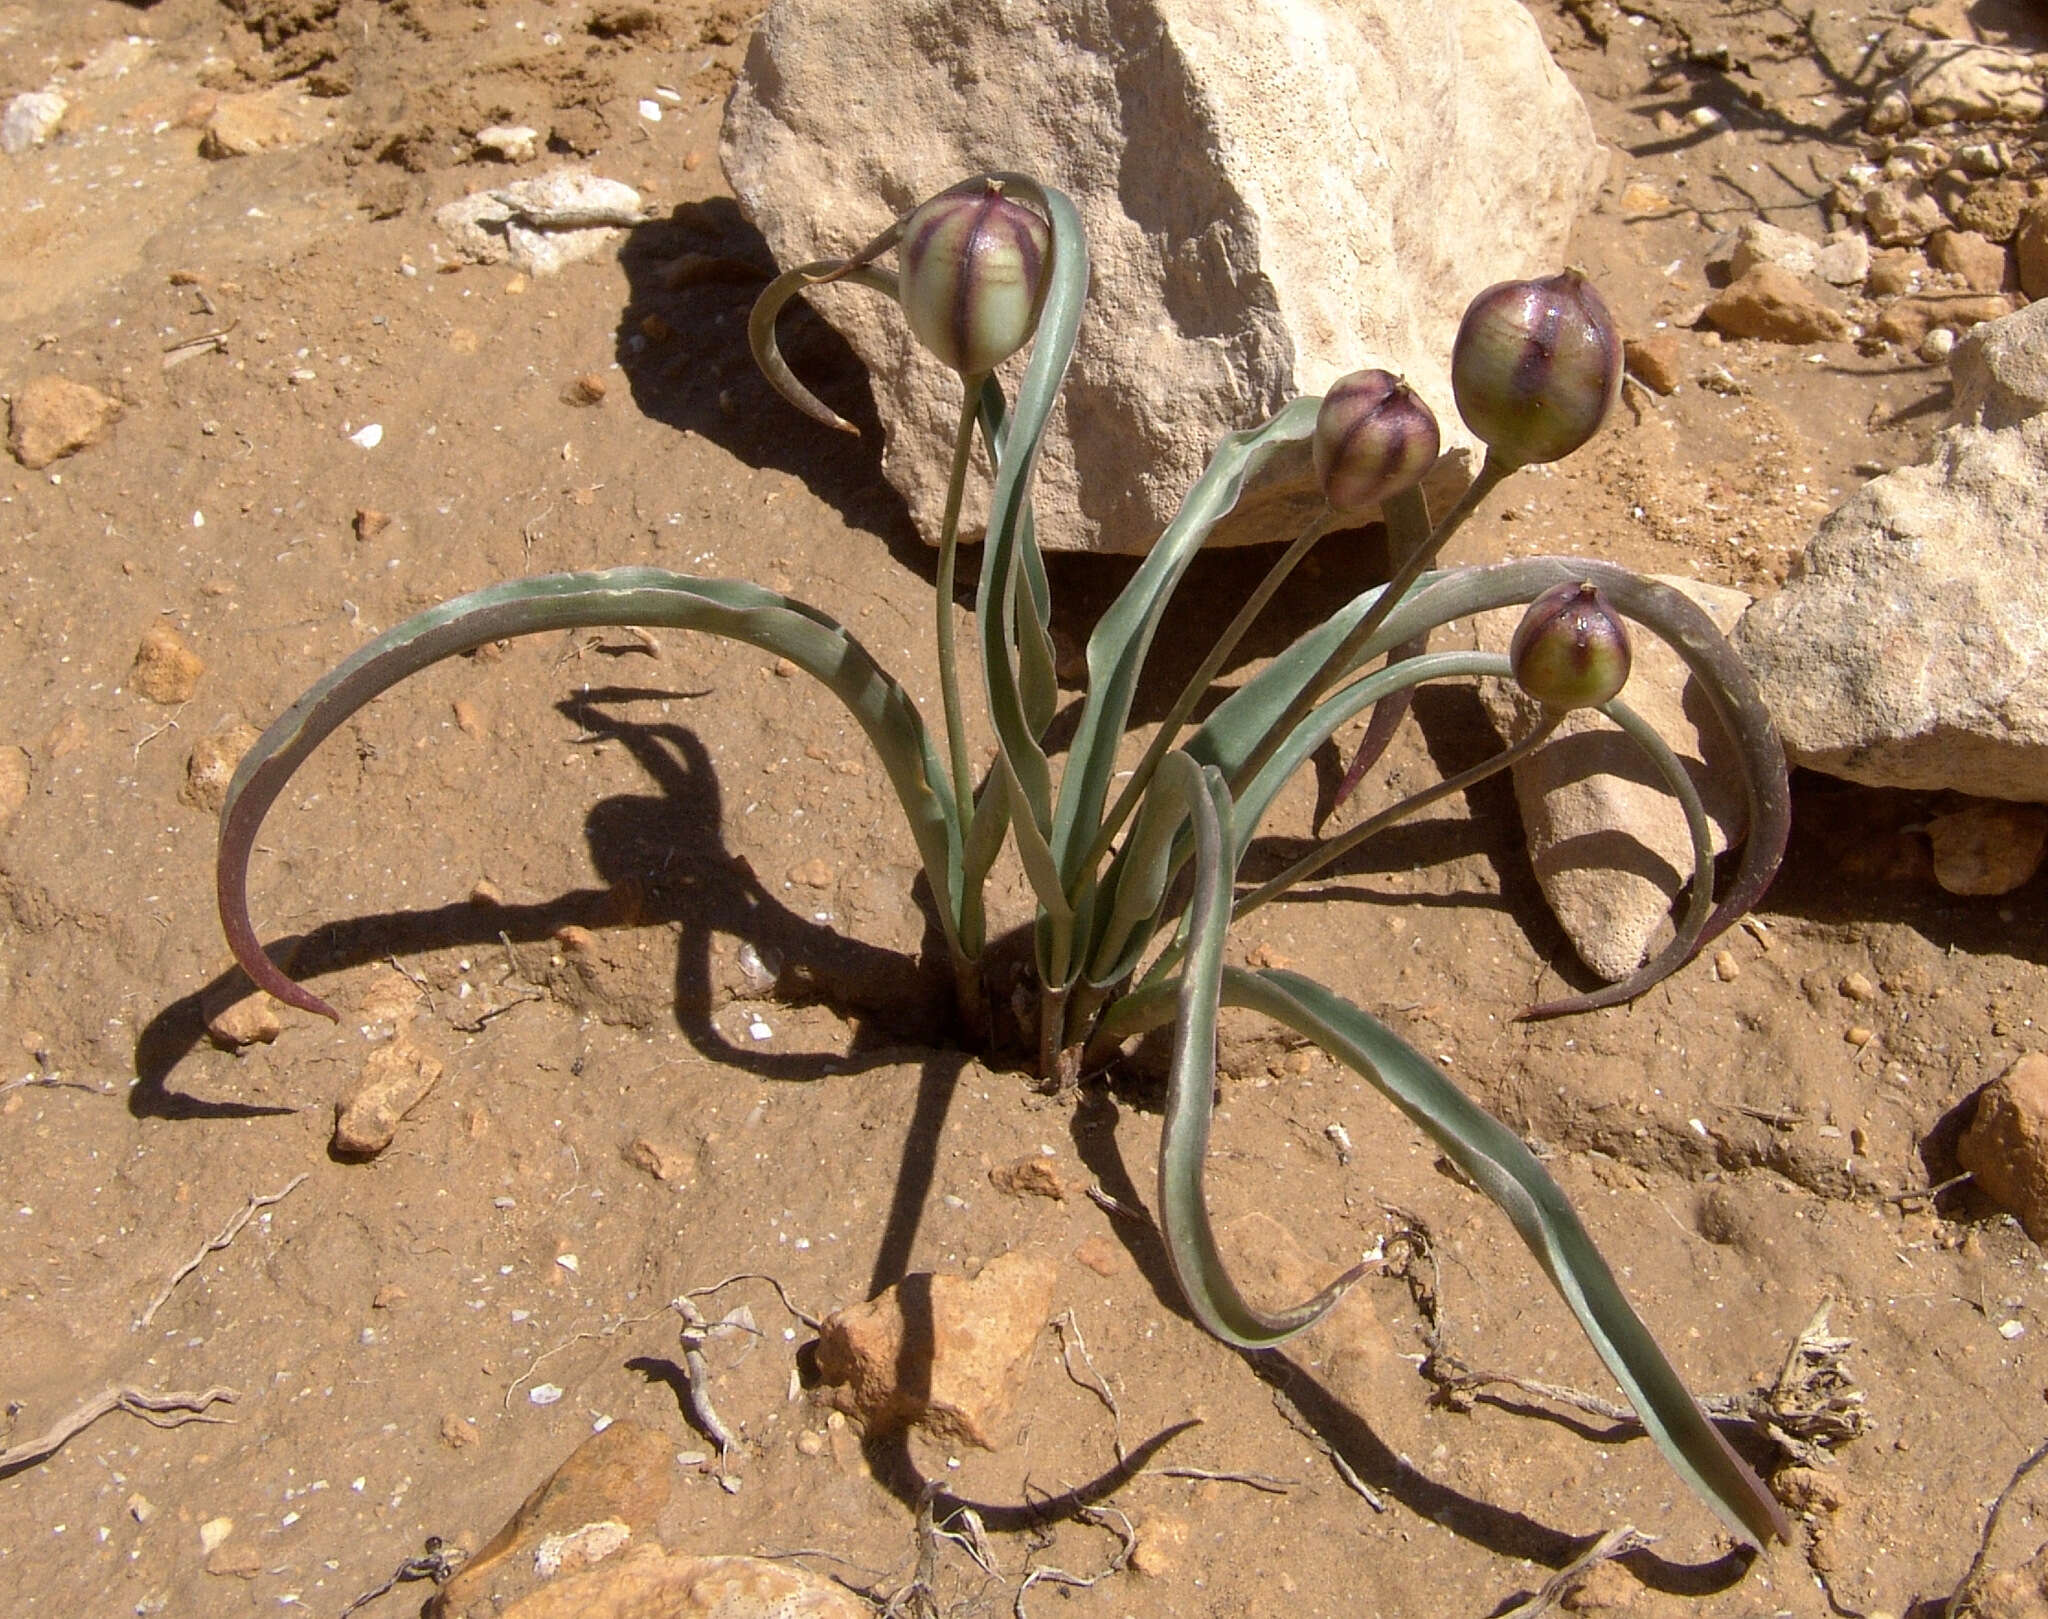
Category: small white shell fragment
[651,111]
[759,1030]
[368,436]
[544,1393]
[568,1262]
[2011,1329]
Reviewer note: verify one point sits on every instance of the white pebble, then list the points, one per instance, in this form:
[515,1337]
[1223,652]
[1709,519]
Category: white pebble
[651,111]
[369,436]
[544,1393]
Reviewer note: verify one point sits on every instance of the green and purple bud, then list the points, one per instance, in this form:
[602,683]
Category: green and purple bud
[1536,367]
[1374,438]
[972,274]
[1571,648]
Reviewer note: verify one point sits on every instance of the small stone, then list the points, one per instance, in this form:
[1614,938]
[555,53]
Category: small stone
[457,1434]
[1858,1036]
[1843,259]
[1993,209]
[945,1353]
[1908,321]
[395,1078]
[1899,213]
[1856,987]
[467,720]
[1892,274]
[1606,1587]
[388,1297]
[2030,249]
[140,1507]
[1265,958]
[211,766]
[389,1000]
[1776,305]
[1726,967]
[214,1533]
[1655,362]
[2005,1146]
[1981,262]
[52,417]
[1937,345]
[1034,1176]
[663,1162]
[510,143]
[369,522]
[166,670]
[14,779]
[813,873]
[31,119]
[1808,1489]
[1988,848]
[240,1015]
[812,1443]
[242,126]
[588,389]
[1161,1543]
[240,1562]
[486,892]
[1101,1254]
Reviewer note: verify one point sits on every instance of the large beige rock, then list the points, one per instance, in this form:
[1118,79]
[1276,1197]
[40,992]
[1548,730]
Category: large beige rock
[1909,648]
[1275,192]
[1608,843]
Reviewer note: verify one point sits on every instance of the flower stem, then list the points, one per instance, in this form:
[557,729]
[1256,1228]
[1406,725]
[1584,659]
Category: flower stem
[1198,683]
[949,550]
[1491,472]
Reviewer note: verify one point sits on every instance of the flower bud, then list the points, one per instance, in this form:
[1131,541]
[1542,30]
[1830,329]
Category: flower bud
[972,273]
[1536,367]
[1374,438]
[1571,648]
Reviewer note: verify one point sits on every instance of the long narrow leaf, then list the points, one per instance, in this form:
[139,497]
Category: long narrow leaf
[1184,1134]
[1502,1167]
[1123,636]
[619,596]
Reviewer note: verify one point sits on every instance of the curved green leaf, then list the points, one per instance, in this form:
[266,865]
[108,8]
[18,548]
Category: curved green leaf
[1184,1133]
[618,596]
[1502,1167]
[1122,639]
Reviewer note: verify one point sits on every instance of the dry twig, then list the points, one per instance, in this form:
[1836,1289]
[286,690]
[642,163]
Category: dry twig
[1615,1543]
[227,1235]
[440,1564]
[180,1407]
[1070,1340]
[1100,1517]
[1966,1591]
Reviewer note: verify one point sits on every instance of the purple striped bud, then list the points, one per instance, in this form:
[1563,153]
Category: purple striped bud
[972,272]
[1571,648]
[1374,438]
[1536,367]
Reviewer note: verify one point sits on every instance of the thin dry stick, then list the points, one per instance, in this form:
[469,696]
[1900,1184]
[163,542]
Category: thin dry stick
[781,1292]
[1070,1340]
[697,1377]
[533,1365]
[1615,1543]
[1967,1590]
[1258,1481]
[1099,1516]
[1345,1471]
[182,1408]
[227,1235]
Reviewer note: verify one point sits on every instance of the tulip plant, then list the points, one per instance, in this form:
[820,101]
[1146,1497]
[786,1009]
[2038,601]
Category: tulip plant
[1135,893]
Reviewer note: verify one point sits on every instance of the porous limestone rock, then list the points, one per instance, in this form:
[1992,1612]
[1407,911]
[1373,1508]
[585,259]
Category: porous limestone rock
[1909,647]
[1608,842]
[2005,1146]
[1999,371]
[944,1353]
[1275,192]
